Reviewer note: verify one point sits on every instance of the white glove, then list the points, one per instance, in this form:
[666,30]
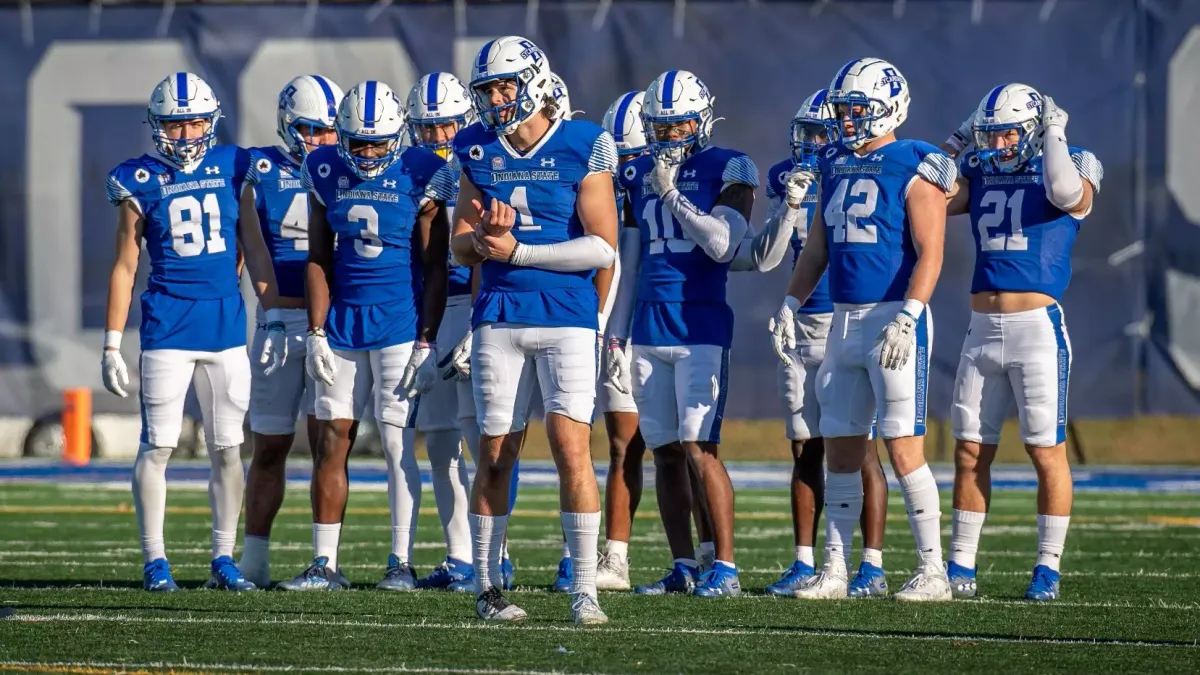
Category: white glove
[662,177]
[783,329]
[620,373]
[898,338]
[274,349]
[421,371]
[1052,115]
[797,183]
[964,135]
[114,372]
[320,363]
[457,364]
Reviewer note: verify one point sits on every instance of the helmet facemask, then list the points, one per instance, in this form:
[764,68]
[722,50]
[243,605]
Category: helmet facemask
[187,151]
[522,106]
[1012,156]
[423,133]
[808,136]
[872,110]
[351,145]
[677,151]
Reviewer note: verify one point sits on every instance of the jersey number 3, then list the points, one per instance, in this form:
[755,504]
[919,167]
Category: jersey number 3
[990,221]
[843,216]
[187,225]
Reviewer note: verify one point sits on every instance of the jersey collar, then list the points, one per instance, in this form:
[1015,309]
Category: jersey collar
[554,126]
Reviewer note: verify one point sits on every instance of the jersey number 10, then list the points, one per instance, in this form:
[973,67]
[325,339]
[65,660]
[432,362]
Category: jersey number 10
[187,233]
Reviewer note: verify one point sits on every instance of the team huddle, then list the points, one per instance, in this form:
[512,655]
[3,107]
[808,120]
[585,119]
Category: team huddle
[471,257]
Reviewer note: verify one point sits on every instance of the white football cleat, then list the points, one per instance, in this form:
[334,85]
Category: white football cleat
[929,584]
[829,583]
[493,606]
[585,610]
[612,574]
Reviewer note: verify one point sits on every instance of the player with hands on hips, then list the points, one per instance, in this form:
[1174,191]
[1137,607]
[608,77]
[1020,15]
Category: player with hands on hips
[1027,192]
[192,203]
[372,320]
[879,233]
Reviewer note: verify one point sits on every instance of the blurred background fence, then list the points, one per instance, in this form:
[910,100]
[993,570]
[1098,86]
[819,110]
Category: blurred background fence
[77,75]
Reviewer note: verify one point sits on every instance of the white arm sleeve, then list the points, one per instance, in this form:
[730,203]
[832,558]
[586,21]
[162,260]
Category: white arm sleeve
[771,245]
[1064,186]
[588,252]
[717,233]
[625,299]
[613,287]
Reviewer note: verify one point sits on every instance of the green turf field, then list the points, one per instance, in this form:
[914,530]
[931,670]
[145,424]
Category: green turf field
[70,569]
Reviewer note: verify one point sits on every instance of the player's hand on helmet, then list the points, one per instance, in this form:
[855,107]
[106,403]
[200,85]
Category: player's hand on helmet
[421,371]
[274,349]
[1052,115]
[964,135]
[320,362]
[114,372]
[620,373]
[783,329]
[662,176]
[897,340]
[796,185]
[457,364]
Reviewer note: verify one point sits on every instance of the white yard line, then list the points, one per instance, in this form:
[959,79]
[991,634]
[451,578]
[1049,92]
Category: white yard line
[247,668]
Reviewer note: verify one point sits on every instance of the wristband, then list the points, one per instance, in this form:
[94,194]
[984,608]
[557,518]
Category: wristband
[316,332]
[112,339]
[427,345]
[914,307]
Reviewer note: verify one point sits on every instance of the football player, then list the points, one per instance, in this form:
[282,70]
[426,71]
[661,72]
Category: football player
[690,202]
[536,207]
[439,106]
[1027,192]
[306,112]
[793,203]
[375,303]
[879,232]
[192,202]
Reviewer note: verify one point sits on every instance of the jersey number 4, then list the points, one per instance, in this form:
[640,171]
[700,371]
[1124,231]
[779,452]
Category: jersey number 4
[187,225]
[294,225]
[990,221]
[842,214]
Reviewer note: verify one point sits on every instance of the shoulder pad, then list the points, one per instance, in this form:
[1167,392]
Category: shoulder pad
[1089,167]
[740,169]
[939,169]
[603,157]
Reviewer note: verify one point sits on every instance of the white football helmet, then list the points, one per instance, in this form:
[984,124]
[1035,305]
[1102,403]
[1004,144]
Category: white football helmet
[370,113]
[511,58]
[561,97]
[624,121]
[879,88]
[307,101]
[811,129]
[437,99]
[673,97]
[183,96]
[1008,107]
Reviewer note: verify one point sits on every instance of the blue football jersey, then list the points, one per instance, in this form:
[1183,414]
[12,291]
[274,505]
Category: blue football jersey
[542,186]
[863,202]
[818,302]
[282,205]
[680,289]
[1022,241]
[192,300]
[377,272]
[460,277]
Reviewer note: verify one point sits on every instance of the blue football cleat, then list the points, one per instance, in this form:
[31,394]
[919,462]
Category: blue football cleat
[399,576]
[156,577]
[227,577]
[792,579]
[340,579]
[681,579]
[318,577]
[719,582]
[562,582]
[1044,586]
[449,572]
[962,580]
[506,573]
[868,582]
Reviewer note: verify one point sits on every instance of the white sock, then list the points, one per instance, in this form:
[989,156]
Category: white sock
[873,556]
[566,549]
[325,542]
[226,485]
[150,498]
[707,550]
[487,533]
[255,557]
[924,514]
[504,549]
[805,555]
[843,506]
[686,562]
[404,486]
[964,537]
[727,564]
[451,486]
[617,550]
[582,531]
[1052,538]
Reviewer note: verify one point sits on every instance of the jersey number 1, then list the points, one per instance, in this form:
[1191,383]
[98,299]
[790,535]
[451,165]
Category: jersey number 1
[187,234]
[520,203]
